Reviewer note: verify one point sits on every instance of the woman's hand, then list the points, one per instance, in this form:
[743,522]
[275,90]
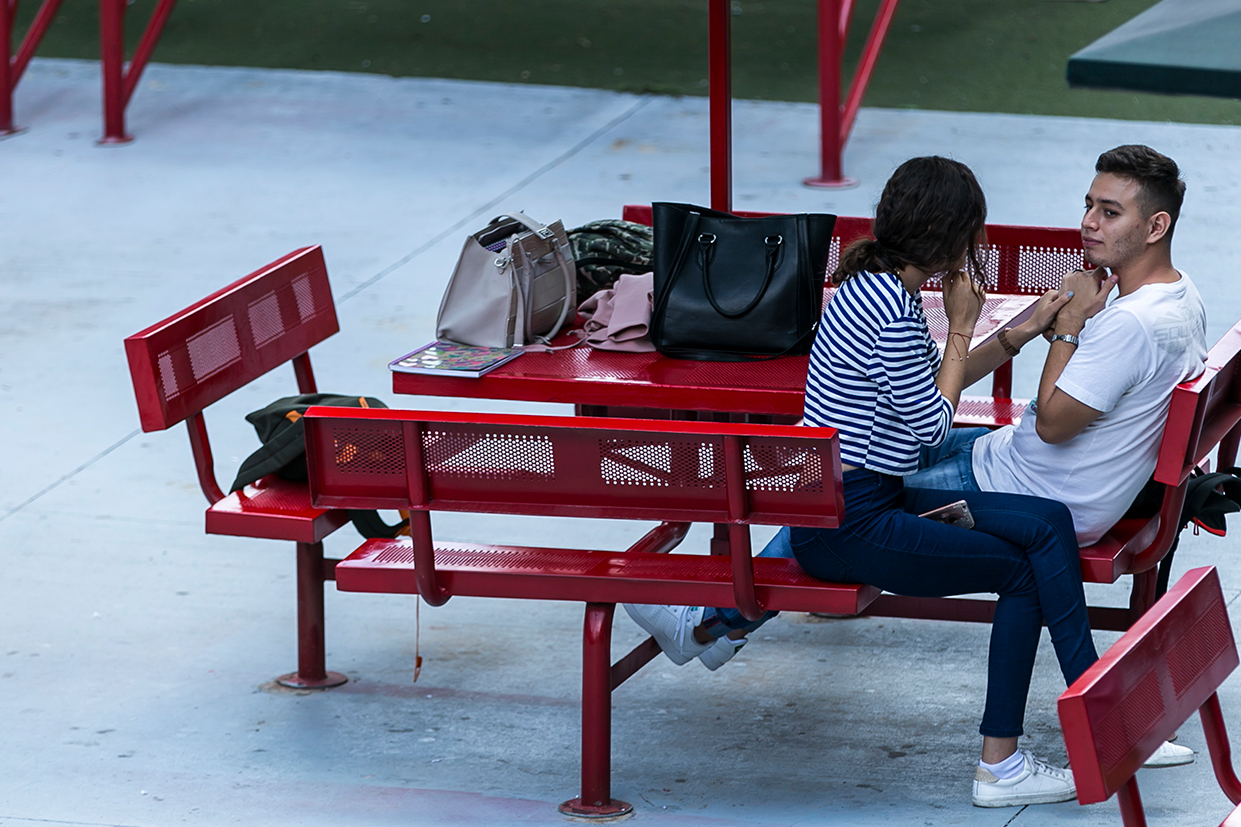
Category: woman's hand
[963,298]
[1044,315]
[1088,290]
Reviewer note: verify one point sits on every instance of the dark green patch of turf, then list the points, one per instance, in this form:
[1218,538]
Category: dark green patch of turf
[965,55]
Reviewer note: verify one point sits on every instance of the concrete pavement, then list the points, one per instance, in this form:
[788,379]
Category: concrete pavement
[135,652]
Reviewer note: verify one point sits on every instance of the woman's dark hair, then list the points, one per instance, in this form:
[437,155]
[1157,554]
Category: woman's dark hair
[932,212]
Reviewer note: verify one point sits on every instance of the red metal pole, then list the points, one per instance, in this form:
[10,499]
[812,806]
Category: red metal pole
[596,799]
[1219,748]
[7,80]
[866,66]
[305,374]
[112,62]
[34,35]
[1131,812]
[831,48]
[311,656]
[720,95]
[142,54]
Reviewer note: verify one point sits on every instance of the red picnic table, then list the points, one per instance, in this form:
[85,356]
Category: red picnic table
[1022,263]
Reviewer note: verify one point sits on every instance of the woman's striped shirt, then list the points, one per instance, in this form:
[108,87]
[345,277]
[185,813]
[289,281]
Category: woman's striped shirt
[872,376]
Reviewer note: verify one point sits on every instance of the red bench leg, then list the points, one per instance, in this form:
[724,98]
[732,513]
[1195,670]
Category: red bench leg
[1131,812]
[311,669]
[596,800]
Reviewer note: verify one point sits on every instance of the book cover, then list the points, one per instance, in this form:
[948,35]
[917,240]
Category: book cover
[451,359]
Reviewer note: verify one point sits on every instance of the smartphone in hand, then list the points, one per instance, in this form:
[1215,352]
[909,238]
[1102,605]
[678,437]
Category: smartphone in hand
[957,514]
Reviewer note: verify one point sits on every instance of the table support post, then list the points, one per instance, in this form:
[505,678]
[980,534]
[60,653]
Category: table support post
[596,800]
[311,649]
[720,91]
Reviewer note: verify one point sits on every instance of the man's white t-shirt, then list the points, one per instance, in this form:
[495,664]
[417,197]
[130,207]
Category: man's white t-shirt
[1132,354]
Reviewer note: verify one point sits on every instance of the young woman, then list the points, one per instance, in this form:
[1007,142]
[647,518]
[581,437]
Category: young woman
[877,377]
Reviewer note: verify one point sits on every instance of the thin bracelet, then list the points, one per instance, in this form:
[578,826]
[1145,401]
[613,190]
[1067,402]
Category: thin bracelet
[959,349]
[1002,338]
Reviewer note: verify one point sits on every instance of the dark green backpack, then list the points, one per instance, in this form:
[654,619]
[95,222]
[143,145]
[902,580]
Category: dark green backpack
[283,452]
[605,250]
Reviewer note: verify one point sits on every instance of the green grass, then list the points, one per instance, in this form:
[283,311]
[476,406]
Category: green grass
[964,55]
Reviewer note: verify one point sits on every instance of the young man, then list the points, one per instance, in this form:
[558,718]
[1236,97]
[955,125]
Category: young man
[1091,437]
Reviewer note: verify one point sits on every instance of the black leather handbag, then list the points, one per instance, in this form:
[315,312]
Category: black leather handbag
[729,289]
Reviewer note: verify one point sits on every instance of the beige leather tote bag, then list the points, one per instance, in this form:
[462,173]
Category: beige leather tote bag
[514,284]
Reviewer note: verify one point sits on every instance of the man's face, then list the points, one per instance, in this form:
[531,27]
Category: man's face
[1113,228]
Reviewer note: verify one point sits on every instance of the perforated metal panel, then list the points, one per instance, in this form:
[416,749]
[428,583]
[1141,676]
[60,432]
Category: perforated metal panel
[1125,724]
[214,349]
[200,355]
[661,462]
[780,468]
[369,451]
[1206,642]
[489,456]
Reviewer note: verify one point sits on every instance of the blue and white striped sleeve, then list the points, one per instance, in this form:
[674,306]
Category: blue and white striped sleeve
[906,378]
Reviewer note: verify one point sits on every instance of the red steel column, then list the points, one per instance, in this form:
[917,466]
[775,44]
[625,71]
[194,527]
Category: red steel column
[7,9]
[596,799]
[112,62]
[720,92]
[831,48]
[311,672]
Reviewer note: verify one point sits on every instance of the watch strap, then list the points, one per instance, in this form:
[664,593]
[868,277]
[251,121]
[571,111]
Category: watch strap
[1066,337]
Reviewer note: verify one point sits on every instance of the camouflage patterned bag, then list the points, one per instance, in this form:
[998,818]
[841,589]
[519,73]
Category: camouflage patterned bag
[605,250]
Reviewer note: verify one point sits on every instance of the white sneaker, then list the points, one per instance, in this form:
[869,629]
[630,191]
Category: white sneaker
[672,627]
[1037,783]
[1170,755]
[721,652]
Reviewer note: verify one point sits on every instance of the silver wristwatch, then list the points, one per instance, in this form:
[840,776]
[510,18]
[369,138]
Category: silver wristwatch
[1066,337]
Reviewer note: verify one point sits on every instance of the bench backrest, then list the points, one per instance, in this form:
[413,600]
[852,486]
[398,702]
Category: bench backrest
[574,467]
[1147,684]
[196,357]
[1022,260]
[1204,413]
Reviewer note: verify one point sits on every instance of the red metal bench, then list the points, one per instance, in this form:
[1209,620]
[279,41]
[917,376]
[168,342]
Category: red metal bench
[677,472]
[1145,686]
[1204,415]
[196,357]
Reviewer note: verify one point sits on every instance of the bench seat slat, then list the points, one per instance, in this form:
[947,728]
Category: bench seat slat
[274,509]
[387,566]
[988,412]
[1109,558]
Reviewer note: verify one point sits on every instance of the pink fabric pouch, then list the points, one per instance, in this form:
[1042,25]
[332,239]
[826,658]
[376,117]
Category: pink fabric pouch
[620,318]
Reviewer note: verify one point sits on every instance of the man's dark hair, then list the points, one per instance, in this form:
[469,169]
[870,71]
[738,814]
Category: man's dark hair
[932,212]
[1160,188]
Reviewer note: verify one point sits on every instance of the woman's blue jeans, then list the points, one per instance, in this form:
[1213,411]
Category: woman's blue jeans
[1022,549]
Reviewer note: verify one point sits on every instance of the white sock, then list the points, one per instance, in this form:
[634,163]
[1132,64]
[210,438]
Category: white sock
[1010,767]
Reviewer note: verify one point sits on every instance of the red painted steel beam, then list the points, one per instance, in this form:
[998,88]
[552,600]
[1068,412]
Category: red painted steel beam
[7,81]
[833,23]
[866,67]
[146,46]
[119,82]
[13,66]
[720,95]
[1219,748]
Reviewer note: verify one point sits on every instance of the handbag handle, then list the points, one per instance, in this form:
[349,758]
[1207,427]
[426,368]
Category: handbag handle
[541,230]
[705,253]
[568,293]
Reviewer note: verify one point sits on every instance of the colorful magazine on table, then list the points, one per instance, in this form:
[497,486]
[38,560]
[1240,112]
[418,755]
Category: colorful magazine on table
[451,359]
